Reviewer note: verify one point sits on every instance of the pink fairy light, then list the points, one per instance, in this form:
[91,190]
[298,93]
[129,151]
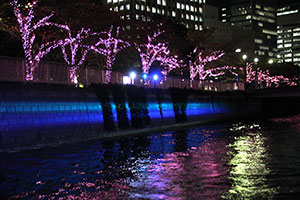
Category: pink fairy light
[150,51]
[112,46]
[75,43]
[157,51]
[197,66]
[27,29]
[261,76]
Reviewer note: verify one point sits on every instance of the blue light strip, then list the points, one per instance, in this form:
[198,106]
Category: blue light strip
[21,115]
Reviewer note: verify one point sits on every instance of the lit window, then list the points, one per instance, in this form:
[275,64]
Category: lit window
[269,32]
[192,9]
[142,7]
[258,41]
[187,16]
[187,7]
[127,6]
[296,59]
[137,6]
[296,29]
[288,55]
[108,1]
[153,10]
[173,14]
[158,2]
[288,45]
[296,34]
[164,2]
[178,5]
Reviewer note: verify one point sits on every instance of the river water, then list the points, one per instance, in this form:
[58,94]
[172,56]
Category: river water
[240,160]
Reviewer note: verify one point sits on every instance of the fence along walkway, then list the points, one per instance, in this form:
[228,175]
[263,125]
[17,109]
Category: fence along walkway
[13,69]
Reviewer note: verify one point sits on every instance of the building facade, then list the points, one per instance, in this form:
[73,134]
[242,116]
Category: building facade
[288,30]
[187,12]
[259,17]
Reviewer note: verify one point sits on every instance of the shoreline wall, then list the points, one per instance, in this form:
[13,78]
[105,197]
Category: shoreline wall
[35,115]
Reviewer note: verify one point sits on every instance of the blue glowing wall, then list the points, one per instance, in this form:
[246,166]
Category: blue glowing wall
[40,113]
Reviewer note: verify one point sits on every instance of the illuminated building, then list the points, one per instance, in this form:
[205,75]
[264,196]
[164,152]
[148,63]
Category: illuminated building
[288,30]
[187,12]
[257,16]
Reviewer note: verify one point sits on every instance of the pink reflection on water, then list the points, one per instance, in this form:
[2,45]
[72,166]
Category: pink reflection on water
[294,121]
[83,190]
[196,174]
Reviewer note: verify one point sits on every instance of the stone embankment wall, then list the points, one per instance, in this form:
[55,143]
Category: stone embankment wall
[35,115]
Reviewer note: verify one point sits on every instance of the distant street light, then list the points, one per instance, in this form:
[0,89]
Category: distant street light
[145,76]
[155,77]
[132,76]
[238,50]
[270,61]
[245,70]
[256,81]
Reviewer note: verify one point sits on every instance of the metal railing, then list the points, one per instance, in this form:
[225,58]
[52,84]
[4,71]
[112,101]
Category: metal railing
[13,69]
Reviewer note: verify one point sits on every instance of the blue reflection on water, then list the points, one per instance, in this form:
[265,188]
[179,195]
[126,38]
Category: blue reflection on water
[93,168]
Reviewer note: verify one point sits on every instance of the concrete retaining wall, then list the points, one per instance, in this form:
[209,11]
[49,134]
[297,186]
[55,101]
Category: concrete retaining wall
[35,115]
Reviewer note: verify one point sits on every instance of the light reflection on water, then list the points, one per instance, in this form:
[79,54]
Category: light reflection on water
[227,161]
[249,170]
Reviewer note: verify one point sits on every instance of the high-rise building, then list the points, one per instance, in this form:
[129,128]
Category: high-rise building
[259,17]
[288,30]
[187,12]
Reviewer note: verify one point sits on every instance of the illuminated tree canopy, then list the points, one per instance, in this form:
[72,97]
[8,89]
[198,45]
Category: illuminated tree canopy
[153,50]
[27,29]
[109,46]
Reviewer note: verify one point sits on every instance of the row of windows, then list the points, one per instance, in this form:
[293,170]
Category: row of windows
[287,30]
[155,10]
[269,9]
[289,12]
[159,2]
[280,41]
[267,14]
[297,34]
[187,7]
[264,19]
[290,60]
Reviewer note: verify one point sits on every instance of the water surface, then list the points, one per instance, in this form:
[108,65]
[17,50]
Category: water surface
[242,160]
